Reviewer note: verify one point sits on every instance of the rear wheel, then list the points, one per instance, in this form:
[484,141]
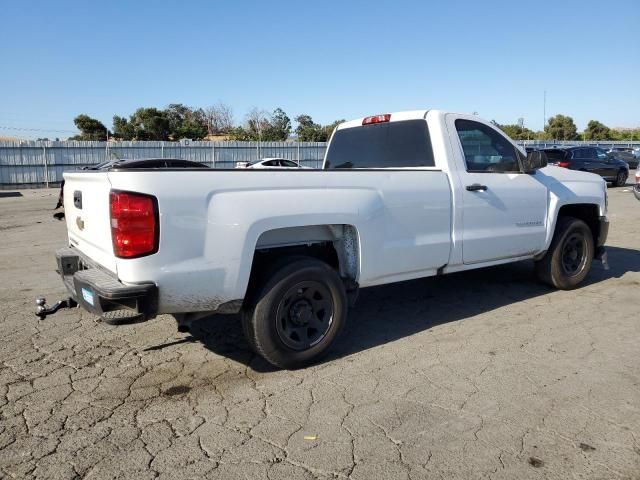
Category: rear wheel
[297,313]
[569,258]
[621,179]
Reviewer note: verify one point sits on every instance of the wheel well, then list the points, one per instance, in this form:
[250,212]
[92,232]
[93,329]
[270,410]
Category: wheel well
[586,212]
[336,245]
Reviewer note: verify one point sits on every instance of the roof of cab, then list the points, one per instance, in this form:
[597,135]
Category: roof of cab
[395,117]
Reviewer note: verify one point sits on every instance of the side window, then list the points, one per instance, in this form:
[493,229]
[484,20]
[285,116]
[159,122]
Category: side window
[289,163]
[591,153]
[578,153]
[602,155]
[270,163]
[485,150]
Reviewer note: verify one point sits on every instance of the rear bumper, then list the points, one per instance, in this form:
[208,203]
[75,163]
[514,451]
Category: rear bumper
[99,291]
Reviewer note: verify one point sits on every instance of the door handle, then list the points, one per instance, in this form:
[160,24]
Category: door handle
[476,187]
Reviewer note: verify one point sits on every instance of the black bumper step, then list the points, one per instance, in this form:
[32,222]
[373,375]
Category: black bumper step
[99,291]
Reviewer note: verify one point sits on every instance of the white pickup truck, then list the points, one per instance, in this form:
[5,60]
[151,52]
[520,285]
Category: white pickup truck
[400,196]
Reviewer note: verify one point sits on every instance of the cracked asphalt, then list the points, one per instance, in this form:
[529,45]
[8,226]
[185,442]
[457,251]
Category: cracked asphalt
[485,374]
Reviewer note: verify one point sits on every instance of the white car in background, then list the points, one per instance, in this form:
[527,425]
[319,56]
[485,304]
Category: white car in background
[272,162]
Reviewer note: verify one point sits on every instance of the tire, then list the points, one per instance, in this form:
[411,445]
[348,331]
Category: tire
[569,258]
[296,313]
[621,179]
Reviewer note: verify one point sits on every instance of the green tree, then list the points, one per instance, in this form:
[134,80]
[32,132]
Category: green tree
[625,134]
[309,131]
[240,134]
[597,131]
[192,129]
[515,131]
[561,127]
[150,124]
[122,129]
[90,128]
[278,127]
[186,122]
[541,135]
[328,129]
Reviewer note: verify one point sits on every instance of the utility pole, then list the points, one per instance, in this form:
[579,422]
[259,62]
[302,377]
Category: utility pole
[544,110]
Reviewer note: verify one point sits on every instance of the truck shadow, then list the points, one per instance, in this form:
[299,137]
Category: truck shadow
[391,312]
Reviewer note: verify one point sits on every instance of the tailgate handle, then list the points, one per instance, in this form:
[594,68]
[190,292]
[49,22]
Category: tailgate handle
[77,199]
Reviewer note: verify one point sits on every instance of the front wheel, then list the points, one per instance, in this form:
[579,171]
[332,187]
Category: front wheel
[296,314]
[621,179]
[569,258]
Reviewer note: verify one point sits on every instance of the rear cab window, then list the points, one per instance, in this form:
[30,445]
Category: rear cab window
[555,155]
[402,144]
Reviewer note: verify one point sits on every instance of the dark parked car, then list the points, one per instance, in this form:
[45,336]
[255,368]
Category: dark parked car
[132,163]
[590,159]
[146,163]
[626,154]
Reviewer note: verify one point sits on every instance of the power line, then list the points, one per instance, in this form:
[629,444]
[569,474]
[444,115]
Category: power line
[37,129]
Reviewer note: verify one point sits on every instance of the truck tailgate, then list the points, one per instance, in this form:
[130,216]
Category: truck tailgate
[86,206]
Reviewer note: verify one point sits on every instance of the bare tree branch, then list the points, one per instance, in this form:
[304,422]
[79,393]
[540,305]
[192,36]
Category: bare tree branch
[219,118]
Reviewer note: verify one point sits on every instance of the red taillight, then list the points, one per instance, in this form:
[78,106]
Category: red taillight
[385,117]
[563,164]
[134,224]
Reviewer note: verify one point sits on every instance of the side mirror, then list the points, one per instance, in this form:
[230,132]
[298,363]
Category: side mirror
[535,160]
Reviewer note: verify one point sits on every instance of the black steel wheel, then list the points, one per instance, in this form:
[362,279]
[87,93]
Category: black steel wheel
[304,315]
[569,257]
[574,253]
[296,312]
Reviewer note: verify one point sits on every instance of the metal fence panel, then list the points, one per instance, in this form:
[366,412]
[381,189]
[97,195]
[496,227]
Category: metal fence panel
[39,163]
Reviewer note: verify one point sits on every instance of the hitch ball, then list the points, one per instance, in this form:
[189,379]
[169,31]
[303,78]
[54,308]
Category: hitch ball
[41,301]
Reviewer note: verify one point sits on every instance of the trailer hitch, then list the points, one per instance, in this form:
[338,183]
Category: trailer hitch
[42,309]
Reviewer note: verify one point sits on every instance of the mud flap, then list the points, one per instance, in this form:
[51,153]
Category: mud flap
[601,254]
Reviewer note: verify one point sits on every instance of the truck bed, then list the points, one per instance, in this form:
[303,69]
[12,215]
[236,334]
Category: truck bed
[211,222]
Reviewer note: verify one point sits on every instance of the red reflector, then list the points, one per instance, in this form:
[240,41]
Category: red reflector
[385,117]
[563,164]
[134,229]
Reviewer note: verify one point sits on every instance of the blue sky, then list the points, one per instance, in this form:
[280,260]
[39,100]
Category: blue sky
[327,59]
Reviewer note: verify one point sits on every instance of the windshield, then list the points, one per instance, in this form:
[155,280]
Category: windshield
[382,145]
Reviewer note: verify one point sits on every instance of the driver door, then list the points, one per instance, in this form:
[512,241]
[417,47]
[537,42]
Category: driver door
[504,210]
